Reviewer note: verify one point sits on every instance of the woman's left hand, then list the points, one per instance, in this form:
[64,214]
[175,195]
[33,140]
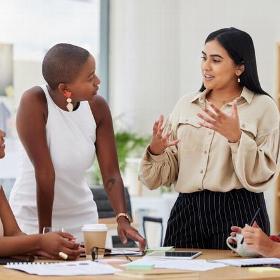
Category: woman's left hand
[225,124]
[125,230]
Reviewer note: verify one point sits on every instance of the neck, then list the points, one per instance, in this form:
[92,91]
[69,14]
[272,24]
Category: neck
[59,99]
[224,95]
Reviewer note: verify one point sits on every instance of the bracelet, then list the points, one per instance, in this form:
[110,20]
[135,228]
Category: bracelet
[124,215]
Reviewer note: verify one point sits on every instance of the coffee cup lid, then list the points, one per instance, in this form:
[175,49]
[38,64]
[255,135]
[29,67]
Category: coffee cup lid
[94,227]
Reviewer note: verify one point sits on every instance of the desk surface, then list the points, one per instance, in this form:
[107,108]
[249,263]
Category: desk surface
[229,272]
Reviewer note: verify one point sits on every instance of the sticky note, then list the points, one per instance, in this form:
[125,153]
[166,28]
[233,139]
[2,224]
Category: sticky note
[140,266]
[263,269]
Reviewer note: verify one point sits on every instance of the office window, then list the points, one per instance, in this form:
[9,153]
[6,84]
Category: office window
[33,26]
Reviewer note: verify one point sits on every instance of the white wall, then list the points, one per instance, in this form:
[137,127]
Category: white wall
[144,60]
[155,50]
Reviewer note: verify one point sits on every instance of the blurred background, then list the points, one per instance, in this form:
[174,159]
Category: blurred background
[148,55]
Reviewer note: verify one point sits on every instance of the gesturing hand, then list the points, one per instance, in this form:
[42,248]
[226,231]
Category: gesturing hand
[160,141]
[225,124]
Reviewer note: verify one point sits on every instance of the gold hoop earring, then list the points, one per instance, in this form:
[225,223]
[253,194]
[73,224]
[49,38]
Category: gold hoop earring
[69,105]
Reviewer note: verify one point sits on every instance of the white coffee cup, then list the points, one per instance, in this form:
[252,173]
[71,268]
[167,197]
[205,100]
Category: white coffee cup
[95,236]
[241,248]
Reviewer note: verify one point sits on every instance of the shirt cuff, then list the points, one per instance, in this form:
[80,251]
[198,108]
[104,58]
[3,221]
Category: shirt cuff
[275,238]
[234,146]
[156,158]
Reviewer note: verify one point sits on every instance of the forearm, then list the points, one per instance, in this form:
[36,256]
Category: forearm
[45,197]
[115,191]
[21,244]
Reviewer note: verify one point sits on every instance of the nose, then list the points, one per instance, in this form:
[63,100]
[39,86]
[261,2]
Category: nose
[205,65]
[97,80]
[2,133]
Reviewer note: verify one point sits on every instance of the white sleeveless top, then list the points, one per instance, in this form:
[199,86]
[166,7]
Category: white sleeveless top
[70,137]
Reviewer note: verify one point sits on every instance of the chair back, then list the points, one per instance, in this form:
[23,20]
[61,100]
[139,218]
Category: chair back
[104,207]
[152,220]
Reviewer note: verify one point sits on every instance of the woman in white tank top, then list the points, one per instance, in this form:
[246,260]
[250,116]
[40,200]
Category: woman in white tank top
[61,126]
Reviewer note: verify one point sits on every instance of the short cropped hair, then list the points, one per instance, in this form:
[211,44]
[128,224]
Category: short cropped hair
[62,63]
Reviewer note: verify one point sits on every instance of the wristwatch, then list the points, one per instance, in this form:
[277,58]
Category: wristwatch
[124,215]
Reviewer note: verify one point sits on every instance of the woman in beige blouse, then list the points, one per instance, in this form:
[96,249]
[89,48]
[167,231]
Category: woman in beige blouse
[14,242]
[219,147]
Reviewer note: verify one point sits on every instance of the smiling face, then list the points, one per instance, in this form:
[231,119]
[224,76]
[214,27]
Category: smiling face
[2,144]
[218,69]
[85,86]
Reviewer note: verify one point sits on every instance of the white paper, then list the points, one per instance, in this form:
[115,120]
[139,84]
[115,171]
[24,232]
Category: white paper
[195,265]
[252,261]
[64,268]
[125,251]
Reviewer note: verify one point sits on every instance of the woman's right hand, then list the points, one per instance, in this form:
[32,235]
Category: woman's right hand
[52,243]
[160,141]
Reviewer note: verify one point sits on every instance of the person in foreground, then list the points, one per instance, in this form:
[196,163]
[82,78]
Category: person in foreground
[62,125]
[220,147]
[256,240]
[14,242]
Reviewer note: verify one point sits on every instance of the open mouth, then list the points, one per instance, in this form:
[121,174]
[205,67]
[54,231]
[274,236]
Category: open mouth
[208,77]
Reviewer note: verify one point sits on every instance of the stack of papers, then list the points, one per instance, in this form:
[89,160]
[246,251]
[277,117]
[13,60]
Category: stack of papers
[64,268]
[249,262]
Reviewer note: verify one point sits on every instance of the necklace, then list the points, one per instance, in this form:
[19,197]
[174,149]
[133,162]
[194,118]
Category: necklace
[223,101]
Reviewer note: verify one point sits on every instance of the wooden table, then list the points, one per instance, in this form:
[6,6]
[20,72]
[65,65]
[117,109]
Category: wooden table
[228,272]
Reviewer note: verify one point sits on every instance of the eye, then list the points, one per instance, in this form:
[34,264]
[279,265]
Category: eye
[203,58]
[216,60]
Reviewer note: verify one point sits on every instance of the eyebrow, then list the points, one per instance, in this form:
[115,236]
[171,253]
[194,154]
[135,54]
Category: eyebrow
[213,55]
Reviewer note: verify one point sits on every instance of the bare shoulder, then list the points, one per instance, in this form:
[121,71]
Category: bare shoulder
[33,96]
[33,105]
[99,108]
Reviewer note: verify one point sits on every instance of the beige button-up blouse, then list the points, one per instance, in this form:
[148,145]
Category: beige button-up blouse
[204,159]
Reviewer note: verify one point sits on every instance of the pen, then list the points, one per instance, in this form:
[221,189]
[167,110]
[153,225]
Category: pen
[128,258]
[252,222]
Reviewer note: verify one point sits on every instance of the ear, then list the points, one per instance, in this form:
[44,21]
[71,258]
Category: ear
[62,88]
[239,69]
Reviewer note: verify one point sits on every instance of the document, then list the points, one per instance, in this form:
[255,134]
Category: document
[124,251]
[194,265]
[64,268]
[249,262]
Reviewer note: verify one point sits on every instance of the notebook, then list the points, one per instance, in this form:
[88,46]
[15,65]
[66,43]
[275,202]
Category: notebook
[64,268]
[242,262]
[16,259]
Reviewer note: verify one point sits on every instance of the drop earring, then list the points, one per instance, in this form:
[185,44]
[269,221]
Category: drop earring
[69,105]
[238,80]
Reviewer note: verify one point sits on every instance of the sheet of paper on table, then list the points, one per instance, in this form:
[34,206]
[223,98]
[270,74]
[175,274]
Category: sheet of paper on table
[64,268]
[248,262]
[194,265]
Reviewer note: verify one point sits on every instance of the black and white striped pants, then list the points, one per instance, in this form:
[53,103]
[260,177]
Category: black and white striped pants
[203,219]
